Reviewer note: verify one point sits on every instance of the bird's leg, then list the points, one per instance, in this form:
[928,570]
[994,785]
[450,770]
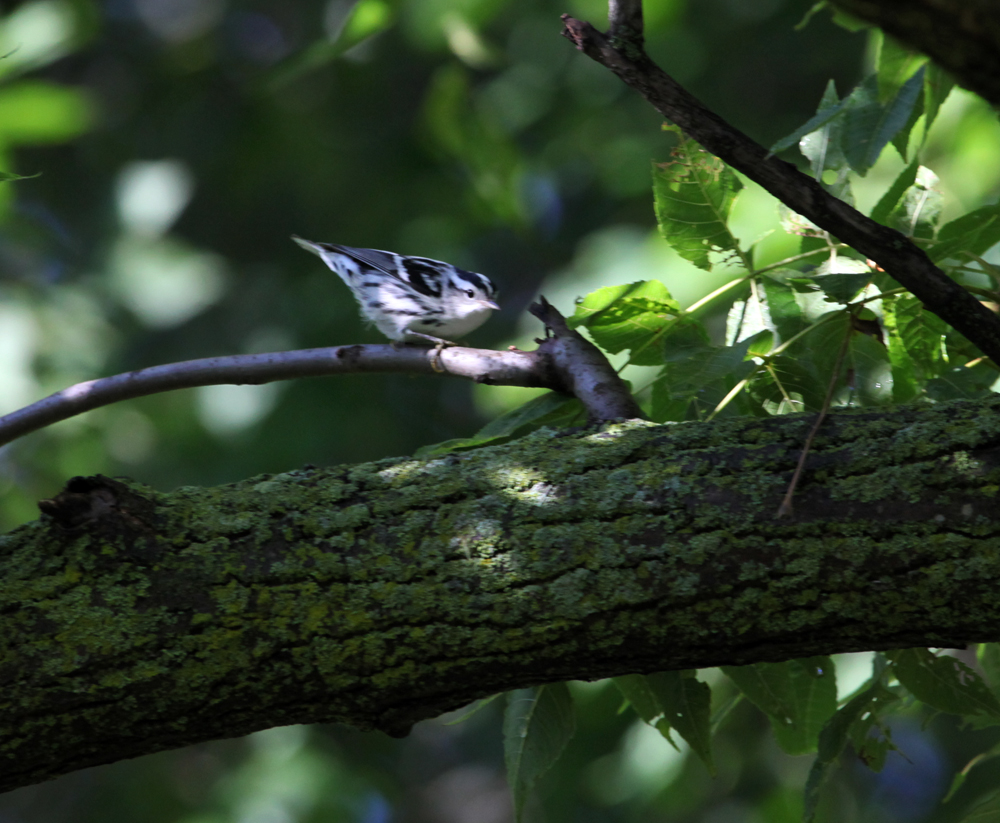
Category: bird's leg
[439,345]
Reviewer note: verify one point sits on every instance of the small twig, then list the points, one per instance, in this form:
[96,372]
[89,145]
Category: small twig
[590,377]
[785,509]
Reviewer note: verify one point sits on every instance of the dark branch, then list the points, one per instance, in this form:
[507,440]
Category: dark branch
[379,594]
[592,380]
[962,36]
[903,260]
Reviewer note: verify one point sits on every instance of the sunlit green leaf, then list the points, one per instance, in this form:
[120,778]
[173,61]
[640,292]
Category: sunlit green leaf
[841,278]
[823,146]
[888,202]
[937,86]
[897,63]
[914,338]
[798,696]
[693,193]
[537,725]
[919,209]
[988,655]
[36,111]
[975,233]
[944,683]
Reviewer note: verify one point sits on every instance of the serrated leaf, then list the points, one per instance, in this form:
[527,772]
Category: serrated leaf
[937,86]
[588,308]
[914,338]
[823,146]
[695,379]
[693,194]
[869,126]
[841,278]
[897,63]
[782,307]
[632,323]
[814,123]
[673,700]
[919,209]
[944,683]
[834,736]
[798,696]
[888,202]
[975,232]
[537,725]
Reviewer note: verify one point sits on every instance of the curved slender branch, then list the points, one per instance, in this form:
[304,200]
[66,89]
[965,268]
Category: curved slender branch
[502,368]
[894,252]
[565,362]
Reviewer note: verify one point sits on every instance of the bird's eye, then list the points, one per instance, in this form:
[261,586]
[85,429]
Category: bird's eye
[470,293]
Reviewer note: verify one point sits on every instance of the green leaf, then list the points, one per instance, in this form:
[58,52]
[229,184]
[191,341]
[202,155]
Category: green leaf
[695,379]
[959,779]
[988,655]
[632,317]
[888,202]
[975,232]
[914,338]
[963,383]
[825,114]
[35,111]
[897,63]
[673,700]
[944,683]
[869,126]
[537,725]
[782,307]
[798,696]
[365,19]
[841,278]
[551,409]
[919,209]
[693,194]
[937,86]
[834,736]
[986,812]
[823,146]
[480,705]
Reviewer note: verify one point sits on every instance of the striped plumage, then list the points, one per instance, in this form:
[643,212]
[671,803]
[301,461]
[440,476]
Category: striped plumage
[405,295]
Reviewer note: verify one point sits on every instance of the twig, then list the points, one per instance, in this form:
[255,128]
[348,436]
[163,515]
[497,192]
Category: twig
[785,509]
[901,258]
[502,368]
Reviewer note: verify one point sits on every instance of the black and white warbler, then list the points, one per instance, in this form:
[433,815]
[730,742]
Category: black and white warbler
[410,298]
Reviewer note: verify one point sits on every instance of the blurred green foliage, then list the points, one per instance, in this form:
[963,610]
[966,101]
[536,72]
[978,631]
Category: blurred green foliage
[179,144]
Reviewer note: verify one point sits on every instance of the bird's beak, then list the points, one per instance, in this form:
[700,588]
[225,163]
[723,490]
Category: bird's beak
[490,305]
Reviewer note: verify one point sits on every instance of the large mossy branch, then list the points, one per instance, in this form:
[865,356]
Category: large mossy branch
[379,594]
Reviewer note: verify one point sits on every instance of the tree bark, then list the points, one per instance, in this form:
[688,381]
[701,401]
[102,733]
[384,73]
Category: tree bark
[963,36]
[379,594]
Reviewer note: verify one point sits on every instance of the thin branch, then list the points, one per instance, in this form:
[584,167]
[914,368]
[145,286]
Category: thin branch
[901,258]
[502,368]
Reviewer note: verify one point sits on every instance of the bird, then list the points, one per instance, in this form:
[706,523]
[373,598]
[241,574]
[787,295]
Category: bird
[410,299]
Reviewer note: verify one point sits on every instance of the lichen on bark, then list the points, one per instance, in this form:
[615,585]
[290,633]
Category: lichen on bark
[383,593]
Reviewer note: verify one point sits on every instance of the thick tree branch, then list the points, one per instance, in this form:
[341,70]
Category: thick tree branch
[963,36]
[565,362]
[592,379]
[379,594]
[895,253]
